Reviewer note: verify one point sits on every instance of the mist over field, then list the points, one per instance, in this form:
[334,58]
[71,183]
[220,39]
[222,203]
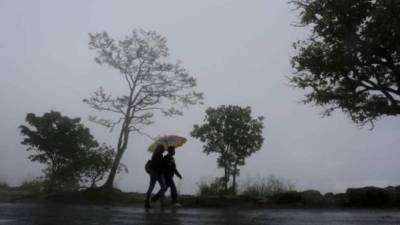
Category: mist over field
[239,52]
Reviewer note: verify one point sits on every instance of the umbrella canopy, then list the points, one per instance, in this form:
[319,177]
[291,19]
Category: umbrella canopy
[168,141]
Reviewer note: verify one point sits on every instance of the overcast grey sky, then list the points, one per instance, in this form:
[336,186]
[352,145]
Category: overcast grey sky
[239,51]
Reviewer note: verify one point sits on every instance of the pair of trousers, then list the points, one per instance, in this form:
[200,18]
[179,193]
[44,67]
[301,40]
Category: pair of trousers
[154,178]
[169,182]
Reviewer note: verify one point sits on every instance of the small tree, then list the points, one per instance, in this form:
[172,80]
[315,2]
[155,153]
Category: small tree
[351,61]
[98,162]
[151,83]
[65,146]
[231,132]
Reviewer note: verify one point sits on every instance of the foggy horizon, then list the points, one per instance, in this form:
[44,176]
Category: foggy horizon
[239,52]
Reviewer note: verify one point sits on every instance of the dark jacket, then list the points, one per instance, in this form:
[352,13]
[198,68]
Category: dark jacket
[169,166]
[156,164]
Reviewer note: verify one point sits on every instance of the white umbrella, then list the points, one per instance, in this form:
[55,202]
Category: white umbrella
[168,141]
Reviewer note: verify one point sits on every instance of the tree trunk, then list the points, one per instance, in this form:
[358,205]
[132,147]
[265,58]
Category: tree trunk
[234,179]
[122,144]
[122,140]
[226,178]
[52,179]
[93,183]
[110,180]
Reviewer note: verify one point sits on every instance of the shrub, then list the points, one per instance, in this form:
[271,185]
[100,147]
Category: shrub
[211,187]
[289,198]
[368,197]
[266,186]
[313,198]
[35,185]
[4,185]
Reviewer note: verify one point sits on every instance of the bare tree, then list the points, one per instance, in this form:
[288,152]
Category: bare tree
[152,84]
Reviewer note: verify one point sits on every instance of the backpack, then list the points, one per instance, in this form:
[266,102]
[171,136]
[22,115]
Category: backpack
[147,167]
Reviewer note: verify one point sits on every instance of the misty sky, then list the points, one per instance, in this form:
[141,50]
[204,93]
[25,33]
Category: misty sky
[239,52]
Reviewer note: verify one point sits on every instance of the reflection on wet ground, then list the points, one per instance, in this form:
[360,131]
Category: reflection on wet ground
[59,214]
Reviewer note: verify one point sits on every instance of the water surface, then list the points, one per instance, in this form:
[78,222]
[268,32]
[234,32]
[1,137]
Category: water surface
[60,214]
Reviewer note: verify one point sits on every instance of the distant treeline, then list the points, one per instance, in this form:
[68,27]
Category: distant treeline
[275,191]
[371,197]
[365,197]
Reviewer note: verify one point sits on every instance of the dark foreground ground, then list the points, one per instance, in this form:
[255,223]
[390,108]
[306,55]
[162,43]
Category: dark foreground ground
[74,214]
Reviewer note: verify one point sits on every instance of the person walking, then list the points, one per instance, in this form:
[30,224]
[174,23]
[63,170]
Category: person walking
[155,171]
[169,170]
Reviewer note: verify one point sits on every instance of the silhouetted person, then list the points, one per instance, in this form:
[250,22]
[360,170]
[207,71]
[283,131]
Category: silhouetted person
[156,175]
[169,170]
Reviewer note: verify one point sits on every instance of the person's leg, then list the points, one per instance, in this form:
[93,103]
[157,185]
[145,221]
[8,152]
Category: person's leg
[161,181]
[158,195]
[155,197]
[174,193]
[153,179]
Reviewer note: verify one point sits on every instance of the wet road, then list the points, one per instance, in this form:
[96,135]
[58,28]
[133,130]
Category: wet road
[58,214]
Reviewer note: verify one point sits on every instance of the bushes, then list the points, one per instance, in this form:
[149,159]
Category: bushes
[313,198]
[288,198]
[251,188]
[368,197]
[334,200]
[4,185]
[275,191]
[211,187]
[35,186]
[265,186]
[28,186]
